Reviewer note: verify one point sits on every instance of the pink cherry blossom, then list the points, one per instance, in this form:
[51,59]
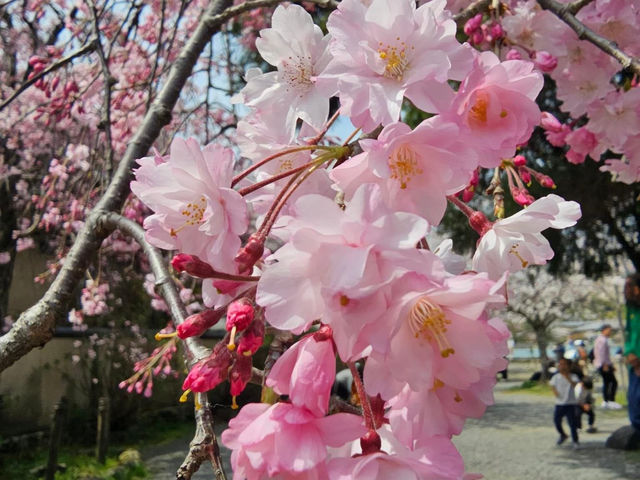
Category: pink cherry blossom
[435,319]
[435,458]
[393,50]
[416,169]
[195,210]
[334,256]
[285,441]
[297,47]
[515,242]
[305,372]
[495,106]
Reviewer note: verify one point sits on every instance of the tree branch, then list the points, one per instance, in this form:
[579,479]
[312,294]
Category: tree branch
[564,13]
[476,7]
[204,445]
[89,47]
[35,326]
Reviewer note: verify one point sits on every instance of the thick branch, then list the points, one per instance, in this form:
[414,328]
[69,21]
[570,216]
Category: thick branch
[89,47]
[564,12]
[35,326]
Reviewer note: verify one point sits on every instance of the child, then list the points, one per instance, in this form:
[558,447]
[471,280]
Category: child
[563,384]
[584,397]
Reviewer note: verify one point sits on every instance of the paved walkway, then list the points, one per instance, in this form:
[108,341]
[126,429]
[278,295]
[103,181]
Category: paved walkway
[515,440]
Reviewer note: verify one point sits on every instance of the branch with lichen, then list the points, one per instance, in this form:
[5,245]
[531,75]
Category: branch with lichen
[566,13]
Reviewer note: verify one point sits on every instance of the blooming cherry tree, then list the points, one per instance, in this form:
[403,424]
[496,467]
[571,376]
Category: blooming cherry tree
[320,245]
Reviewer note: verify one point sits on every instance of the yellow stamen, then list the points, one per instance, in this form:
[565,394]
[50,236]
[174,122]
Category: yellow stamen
[427,320]
[234,405]
[503,113]
[247,353]
[344,300]
[197,404]
[457,398]
[194,213]
[396,60]
[232,338]
[477,115]
[185,396]
[159,336]
[514,250]
[437,383]
[404,165]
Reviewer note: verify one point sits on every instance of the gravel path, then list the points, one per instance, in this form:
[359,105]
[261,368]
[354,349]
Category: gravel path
[515,440]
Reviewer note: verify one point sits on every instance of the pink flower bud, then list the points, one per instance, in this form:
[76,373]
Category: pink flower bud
[473,24]
[525,175]
[521,196]
[191,264]
[240,374]
[519,161]
[513,54]
[239,314]
[252,338]
[212,371]
[196,324]
[149,390]
[468,193]
[226,286]
[496,31]
[549,122]
[477,37]
[249,254]
[122,385]
[545,61]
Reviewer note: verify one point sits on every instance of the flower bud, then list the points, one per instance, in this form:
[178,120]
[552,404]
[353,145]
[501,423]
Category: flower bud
[196,324]
[513,54]
[240,374]
[191,264]
[252,338]
[239,314]
[209,373]
[249,254]
[473,24]
[545,61]
[519,161]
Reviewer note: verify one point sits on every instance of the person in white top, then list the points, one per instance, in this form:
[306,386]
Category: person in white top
[602,361]
[563,384]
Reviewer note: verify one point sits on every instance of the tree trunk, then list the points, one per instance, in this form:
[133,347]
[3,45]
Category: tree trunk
[541,340]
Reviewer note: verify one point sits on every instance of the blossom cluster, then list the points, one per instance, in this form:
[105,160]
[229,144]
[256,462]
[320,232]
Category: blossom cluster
[354,276]
[590,83]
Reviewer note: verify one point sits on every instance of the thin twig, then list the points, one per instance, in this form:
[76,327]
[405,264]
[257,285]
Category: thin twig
[471,11]
[564,13]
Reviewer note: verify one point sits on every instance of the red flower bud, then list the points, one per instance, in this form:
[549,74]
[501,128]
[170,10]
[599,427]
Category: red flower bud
[252,338]
[249,254]
[195,325]
[240,374]
[191,264]
[209,373]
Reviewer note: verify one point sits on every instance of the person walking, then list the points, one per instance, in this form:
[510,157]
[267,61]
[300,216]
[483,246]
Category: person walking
[563,384]
[602,361]
[632,346]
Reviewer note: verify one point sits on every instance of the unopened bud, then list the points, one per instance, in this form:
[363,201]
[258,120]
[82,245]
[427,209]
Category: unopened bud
[370,442]
[513,54]
[198,323]
[545,61]
[249,254]
[252,338]
[519,161]
[191,264]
